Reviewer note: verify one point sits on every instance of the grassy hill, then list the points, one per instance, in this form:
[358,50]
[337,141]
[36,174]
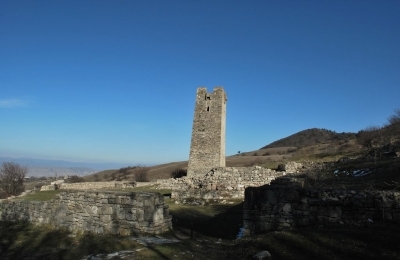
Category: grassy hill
[309,145]
[311,137]
[316,145]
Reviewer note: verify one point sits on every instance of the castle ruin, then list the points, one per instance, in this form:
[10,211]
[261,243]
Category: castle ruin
[207,148]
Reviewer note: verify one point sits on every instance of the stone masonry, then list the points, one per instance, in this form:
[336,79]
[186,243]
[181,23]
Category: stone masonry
[89,185]
[276,207]
[120,213]
[207,149]
[219,183]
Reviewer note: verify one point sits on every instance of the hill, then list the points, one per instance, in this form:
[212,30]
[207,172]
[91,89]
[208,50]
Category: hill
[266,157]
[311,137]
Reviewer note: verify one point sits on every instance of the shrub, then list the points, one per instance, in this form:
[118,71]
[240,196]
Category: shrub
[281,167]
[255,154]
[178,173]
[140,173]
[74,179]
[12,179]
[38,186]
[266,154]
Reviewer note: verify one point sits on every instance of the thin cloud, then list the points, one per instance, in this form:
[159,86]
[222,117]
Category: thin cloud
[12,103]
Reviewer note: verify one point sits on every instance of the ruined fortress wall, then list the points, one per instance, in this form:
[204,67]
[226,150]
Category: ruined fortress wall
[97,185]
[90,185]
[97,212]
[275,207]
[219,183]
[207,149]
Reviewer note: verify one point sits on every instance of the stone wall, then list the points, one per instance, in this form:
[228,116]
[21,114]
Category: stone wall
[276,207]
[89,185]
[97,212]
[207,148]
[219,183]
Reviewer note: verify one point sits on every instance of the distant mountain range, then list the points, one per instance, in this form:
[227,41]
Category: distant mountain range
[45,167]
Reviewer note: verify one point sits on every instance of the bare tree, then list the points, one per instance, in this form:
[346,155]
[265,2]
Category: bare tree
[368,136]
[12,178]
[395,118]
[393,126]
[141,173]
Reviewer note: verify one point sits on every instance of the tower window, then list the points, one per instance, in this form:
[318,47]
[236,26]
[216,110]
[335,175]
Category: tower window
[208,108]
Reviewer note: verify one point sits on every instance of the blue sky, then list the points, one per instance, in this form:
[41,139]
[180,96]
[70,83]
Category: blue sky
[115,81]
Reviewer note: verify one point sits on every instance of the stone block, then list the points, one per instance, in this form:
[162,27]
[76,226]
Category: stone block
[287,207]
[130,216]
[94,209]
[105,218]
[292,195]
[124,232]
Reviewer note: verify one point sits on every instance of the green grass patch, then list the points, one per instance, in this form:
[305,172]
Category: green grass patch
[40,195]
[165,192]
[152,189]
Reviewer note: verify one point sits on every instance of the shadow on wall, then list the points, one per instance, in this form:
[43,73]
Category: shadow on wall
[225,224]
[285,205]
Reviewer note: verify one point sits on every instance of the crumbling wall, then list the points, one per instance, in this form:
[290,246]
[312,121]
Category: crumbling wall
[219,183]
[276,207]
[97,212]
[90,185]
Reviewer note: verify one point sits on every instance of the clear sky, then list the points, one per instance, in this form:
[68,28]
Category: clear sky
[115,81]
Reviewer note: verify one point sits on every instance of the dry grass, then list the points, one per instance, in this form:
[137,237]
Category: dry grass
[163,171]
[268,157]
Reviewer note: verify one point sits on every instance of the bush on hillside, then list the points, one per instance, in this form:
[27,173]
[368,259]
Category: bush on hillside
[74,179]
[376,137]
[140,173]
[178,173]
[281,167]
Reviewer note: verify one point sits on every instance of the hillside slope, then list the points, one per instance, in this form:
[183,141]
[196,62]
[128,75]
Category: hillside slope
[311,137]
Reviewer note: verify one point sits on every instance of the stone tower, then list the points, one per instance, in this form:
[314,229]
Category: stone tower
[207,148]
